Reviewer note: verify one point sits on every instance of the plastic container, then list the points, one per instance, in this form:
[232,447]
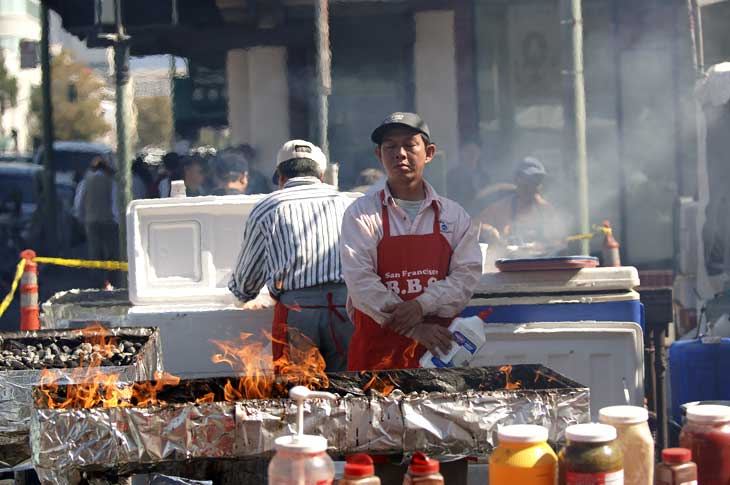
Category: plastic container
[523,456]
[707,436]
[699,372]
[635,440]
[359,470]
[423,471]
[469,338]
[676,468]
[591,456]
[302,459]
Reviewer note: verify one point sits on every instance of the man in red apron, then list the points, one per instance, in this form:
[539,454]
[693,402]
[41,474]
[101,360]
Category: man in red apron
[291,245]
[411,261]
[410,257]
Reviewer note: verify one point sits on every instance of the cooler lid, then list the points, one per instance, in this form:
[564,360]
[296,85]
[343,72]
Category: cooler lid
[594,280]
[182,250]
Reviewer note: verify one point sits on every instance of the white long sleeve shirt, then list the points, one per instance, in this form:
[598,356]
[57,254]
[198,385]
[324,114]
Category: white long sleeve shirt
[362,230]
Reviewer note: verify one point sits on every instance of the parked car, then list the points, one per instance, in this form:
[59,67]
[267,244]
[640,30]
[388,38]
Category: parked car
[72,158]
[20,191]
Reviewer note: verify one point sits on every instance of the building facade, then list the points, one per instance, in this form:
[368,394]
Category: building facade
[19,20]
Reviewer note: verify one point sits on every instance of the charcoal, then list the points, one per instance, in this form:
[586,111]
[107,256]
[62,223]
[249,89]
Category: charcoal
[66,352]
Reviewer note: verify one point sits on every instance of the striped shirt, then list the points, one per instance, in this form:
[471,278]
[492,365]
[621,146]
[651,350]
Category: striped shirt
[291,240]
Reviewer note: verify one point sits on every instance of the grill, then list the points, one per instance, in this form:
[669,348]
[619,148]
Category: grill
[24,355]
[438,411]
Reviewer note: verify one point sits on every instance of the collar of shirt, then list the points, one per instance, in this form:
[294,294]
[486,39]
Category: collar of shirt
[431,195]
[298,181]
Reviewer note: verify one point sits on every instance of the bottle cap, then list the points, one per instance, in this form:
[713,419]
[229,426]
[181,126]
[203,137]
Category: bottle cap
[676,455]
[623,415]
[708,414]
[301,443]
[360,465]
[590,433]
[423,465]
[523,433]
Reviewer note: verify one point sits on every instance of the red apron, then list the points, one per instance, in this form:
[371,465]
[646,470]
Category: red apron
[280,327]
[406,265]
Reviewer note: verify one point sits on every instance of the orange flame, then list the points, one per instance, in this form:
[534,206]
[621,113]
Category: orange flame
[261,376]
[509,385]
[89,386]
[376,383]
[210,397]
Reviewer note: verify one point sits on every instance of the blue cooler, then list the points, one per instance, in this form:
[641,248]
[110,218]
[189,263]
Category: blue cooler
[590,294]
[699,371]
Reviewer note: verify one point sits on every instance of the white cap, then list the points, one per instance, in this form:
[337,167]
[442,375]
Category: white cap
[590,433]
[522,433]
[301,444]
[301,149]
[708,414]
[623,415]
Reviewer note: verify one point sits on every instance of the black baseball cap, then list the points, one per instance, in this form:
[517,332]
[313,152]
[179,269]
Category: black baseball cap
[408,120]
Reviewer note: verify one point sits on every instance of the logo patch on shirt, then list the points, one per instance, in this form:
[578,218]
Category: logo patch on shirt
[445,227]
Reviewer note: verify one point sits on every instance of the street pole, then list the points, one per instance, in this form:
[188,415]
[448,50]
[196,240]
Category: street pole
[121,82]
[49,173]
[575,112]
[324,77]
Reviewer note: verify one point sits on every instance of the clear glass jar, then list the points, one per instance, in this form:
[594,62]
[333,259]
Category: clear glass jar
[635,440]
[301,462]
[591,456]
[707,435]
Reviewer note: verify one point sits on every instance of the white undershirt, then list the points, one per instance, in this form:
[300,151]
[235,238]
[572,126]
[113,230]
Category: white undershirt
[411,207]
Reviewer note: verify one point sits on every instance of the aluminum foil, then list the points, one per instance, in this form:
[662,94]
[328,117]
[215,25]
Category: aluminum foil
[67,308]
[16,386]
[128,440]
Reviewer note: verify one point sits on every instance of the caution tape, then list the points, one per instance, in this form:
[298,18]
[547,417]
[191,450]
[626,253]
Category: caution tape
[9,298]
[597,230]
[83,263]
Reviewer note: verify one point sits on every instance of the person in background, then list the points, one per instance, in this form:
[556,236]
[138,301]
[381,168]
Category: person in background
[521,215]
[193,175]
[230,173]
[258,183]
[367,179]
[291,244]
[170,171]
[467,178]
[141,179]
[95,206]
[411,261]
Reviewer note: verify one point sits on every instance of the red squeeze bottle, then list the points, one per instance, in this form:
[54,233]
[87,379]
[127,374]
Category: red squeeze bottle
[423,471]
[359,470]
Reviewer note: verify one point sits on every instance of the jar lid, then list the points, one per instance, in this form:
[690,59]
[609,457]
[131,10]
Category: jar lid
[623,415]
[301,444]
[590,433]
[423,465]
[359,465]
[676,455]
[523,433]
[708,413]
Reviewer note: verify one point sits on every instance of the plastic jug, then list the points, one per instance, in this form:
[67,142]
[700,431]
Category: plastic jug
[302,459]
[468,339]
